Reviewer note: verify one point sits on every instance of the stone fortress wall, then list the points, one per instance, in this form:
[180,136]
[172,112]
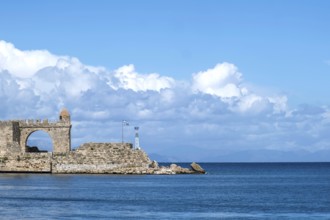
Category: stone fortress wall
[115,158]
[102,158]
[9,137]
[112,158]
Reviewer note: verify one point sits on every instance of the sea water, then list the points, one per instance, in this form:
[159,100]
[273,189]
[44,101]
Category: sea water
[227,191]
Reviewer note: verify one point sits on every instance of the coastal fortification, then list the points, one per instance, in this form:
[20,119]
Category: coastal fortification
[112,158]
[14,134]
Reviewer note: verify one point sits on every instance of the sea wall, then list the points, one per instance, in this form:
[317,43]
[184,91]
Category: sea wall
[116,158]
[96,158]
[26,162]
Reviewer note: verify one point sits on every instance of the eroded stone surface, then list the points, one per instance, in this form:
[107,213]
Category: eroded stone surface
[101,158]
[29,162]
[154,164]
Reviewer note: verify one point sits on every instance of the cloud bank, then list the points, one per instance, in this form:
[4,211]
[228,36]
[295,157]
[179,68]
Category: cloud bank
[214,116]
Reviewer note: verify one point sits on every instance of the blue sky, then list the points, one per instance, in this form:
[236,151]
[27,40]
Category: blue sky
[281,44]
[260,68]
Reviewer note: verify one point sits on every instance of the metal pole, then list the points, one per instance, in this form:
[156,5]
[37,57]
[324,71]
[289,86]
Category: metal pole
[124,123]
[137,141]
[122,132]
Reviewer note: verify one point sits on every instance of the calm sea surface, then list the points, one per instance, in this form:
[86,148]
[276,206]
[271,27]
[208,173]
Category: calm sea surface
[228,191]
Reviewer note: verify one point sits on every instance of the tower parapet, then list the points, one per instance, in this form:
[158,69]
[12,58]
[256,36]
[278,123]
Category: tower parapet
[65,115]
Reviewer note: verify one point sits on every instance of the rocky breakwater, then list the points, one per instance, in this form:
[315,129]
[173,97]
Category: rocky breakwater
[102,158]
[154,168]
[113,158]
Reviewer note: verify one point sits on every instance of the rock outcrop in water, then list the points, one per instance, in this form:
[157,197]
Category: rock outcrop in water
[197,168]
[172,169]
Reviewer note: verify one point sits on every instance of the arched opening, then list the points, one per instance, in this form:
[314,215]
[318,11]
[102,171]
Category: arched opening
[39,141]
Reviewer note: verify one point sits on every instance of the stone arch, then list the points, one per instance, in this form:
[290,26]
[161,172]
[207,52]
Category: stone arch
[60,133]
[39,133]
[25,134]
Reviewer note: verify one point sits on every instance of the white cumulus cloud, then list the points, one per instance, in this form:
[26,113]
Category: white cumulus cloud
[223,80]
[24,63]
[128,78]
[226,82]
[212,115]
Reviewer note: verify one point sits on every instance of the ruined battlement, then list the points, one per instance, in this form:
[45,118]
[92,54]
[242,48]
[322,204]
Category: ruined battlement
[42,123]
[34,123]
[7,123]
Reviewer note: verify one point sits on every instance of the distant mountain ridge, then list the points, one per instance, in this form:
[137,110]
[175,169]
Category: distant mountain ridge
[252,156]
